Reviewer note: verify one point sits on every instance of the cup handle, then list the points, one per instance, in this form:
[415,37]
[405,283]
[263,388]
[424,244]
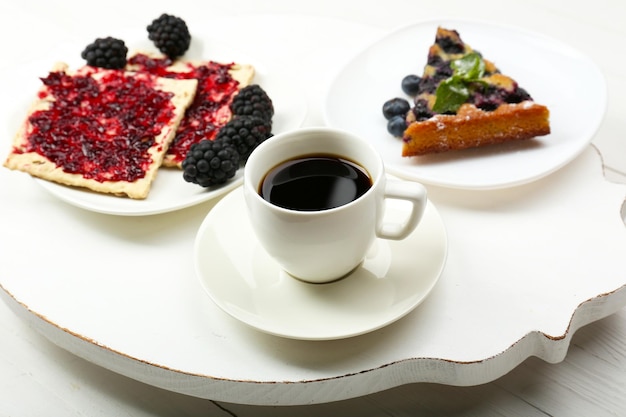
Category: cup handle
[413,192]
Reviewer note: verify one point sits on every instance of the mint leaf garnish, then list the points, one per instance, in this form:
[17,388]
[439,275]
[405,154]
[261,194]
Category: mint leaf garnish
[451,93]
[454,91]
[471,67]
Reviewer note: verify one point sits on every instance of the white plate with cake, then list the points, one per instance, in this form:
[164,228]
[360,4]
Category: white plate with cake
[166,190]
[555,74]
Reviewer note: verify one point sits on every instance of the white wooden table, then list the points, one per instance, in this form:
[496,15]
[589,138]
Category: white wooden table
[39,378]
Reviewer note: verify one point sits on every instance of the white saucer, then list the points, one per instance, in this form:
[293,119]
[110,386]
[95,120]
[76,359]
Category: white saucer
[244,281]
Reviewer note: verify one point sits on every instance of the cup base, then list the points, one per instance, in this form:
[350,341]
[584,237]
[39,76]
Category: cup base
[322,281]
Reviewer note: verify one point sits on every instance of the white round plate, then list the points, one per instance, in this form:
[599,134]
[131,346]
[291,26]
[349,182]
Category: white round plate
[554,73]
[169,191]
[243,280]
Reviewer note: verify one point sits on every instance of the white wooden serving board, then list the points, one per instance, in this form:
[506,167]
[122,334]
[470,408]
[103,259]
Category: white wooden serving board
[527,266]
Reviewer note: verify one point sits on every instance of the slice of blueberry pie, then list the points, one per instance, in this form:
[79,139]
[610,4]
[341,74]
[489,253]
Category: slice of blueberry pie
[463,101]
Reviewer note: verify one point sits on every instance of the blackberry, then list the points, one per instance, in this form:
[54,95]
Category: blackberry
[106,52]
[170,35]
[245,133]
[210,162]
[253,101]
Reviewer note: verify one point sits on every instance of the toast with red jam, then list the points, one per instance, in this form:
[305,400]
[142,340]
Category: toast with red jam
[106,130]
[218,83]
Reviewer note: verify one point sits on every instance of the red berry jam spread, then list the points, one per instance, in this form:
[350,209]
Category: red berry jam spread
[210,109]
[101,129]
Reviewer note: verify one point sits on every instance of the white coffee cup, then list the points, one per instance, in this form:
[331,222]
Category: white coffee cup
[325,245]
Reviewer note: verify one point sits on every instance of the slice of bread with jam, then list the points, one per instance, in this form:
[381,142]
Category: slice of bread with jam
[464,101]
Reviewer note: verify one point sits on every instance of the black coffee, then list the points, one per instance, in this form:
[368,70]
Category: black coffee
[314,182]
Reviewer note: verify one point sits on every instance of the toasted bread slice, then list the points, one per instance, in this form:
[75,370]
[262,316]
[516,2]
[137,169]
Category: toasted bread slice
[104,130]
[218,83]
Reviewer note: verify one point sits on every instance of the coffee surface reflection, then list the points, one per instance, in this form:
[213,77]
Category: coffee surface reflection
[314,183]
